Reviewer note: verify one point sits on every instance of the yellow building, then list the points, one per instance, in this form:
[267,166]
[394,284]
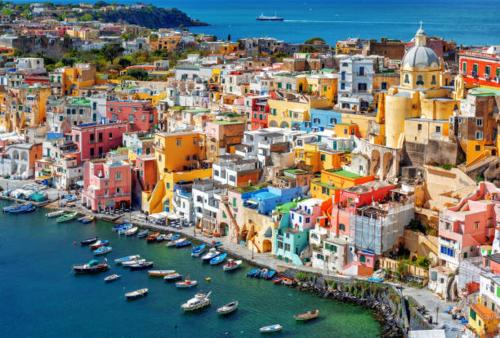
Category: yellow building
[333,180]
[422,130]
[167,42]
[83,33]
[70,80]
[317,85]
[292,109]
[483,321]
[316,158]
[25,107]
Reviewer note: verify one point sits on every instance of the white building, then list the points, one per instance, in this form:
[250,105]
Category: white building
[30,65]
[355,83]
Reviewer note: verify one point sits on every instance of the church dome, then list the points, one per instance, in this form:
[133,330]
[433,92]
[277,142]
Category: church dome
[421,57]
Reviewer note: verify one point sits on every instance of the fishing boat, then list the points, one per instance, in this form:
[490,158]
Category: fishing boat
[306,316]
[132,231]
[161,238]
[210,254]
[172,277]
[54,213]
[136,294]
[218,259]
[92,267]
[253,273]
[20,209]
[142,233]
[199,301]
[86,219]
[152,237]
[263,17]
[131,262]
[88,241]
[141,266]
[267,274]
[232,265]
[186,283]
[182,244]
[67,217]
[124,228]
[160,273]
[174,242]
[121,226]
[111,278]
[126,259]
[103,250]
[198,250]
[228,308]
[271,328]
[98,244]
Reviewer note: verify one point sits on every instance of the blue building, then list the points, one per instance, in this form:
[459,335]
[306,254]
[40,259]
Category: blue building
[267,199]
[324,119]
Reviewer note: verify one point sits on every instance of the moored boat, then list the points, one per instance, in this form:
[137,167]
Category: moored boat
[86,219]
[111,278]
[218,259]
[182,244]
[127,258]
[152,237]
[92,267]
[55,213]
[131,262]
[132,231]
[121,226]
[199,301]
[20,208]
[141,266]
[142,233]
[232,265]
[187,283]
[124,228]
[210,254]
[172,277]
[103,250]
[98,244]
[198,250]
[160,273]
[89,241]
[306,316]
[228,308]
[161,238]
[271,328]
[136,294]
[66,217]
[253,273]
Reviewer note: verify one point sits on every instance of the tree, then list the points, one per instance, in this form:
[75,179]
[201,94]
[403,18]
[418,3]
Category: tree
[138,74]
[86,17]
[315,41]
[111,51]
[124,62]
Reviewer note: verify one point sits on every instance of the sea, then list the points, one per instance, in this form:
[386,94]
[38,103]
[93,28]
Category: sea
[468,22]
[41,297]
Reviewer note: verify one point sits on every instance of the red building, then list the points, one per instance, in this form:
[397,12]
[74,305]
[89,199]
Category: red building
[140,114]
[481,66]
[96,140]
[259,111]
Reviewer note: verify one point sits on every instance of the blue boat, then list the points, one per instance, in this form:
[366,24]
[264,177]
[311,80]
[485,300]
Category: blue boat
[218,259]
[122,226]
[217,244]
[20,209]
[253,273]
[103,250]
[268,274]
[198,250]
[175,237]
[183,244]
[142,233]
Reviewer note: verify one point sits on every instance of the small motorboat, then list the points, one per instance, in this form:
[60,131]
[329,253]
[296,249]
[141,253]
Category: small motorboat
[198,250]
[86,219]
[182,244]
[111,278]
[231,265]
[217,244]
[173,237]
[103,250]
[218,259]
[136,294]
[169,237]
[141,266]
[199,301]
[254,273]
[56,213]
[20,208]
[277,280]
[306,316]
[98,244]
[160,273]
[208,279]
[287,281]
[121,226]
[124,228]
[271,328]
[88,241]
[186,283]
[142,233]
[174,242]
[267,274]
[126,259]
[210,254]
[172,277]
[69,216]
[152,237]
[132,231]
[92,267]
[228,308]
[131,262]
[161,238]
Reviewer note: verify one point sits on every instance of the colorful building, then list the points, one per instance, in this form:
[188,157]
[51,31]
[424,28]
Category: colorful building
[141,115]
[481,67]
[96,140]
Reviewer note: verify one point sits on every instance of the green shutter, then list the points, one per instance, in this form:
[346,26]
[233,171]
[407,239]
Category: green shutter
[472,314]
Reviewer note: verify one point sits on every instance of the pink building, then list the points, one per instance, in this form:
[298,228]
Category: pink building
[107,184]
[464,228]
[96,140]
[141,115]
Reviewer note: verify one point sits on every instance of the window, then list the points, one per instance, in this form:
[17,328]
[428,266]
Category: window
[178,142]
[438,129]
[479,135]
[330,247]
[476,225]
[99,137]
[232,178]
[323,157]
[342,86]
[383,86]
[487,71]
[362,87]
[420,80]
[433,81]
[91,152]
[362,259]
[419,127]
[342,227]
[479,122]
[361,71]
[273,111]
[110,136]
[475,67]
[478,147]
[92,138]
[464,67]
[407,78]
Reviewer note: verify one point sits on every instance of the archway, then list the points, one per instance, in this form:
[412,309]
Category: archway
[224,229]
[386,164]
[375,162]
[273,123]
[284,124]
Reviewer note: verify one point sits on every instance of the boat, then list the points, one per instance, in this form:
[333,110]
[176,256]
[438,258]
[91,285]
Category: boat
[169,237]
[121,226]
[186,283]
[172,277]
[124,228]
[86,219]
[88,241]
[306,316]
[182,244]
[131,262]
[161,238]
[111,278]
[271,328]
[160,273]
[217,244]
[142,233]
[253,273]
[267,274]
[132,231]
[218,259]
[208,279]
[174,237]
[152,237]
[141,266]
[228,308]
[263,17]
[277,280]
[55,213]
[198,250]
[232,265]
[66,217]
[199,301]
[210,254]
[98,244]
[126,259]
[92,267]
[136,294]
[103,250]
[377,280]
[20,208]
[287,281]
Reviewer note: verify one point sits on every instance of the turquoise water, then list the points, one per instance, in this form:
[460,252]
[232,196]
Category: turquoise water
[465,21]
[40,296]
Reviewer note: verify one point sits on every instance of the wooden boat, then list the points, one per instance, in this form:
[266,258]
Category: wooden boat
[141,266]
[67,217]
[127,258]
[88,241]
[271,328]
[152,237]
[199,301]
[185,284]
[92,267]
[172,277]
[103,250]
[218,259]
[198,250]
[132,231]
[210,254]
[55,213]
[86,219]
[142,233]
[98,244]
[136,294]
[287,281]
[306,316]
[228,308]
[131,262]
[111,278]
[20,209]
[182,244]
[231,265]
[277,280]
[160,273]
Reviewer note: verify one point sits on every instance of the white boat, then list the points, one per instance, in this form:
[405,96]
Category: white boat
[174,243]
[210,254]
[111,278]
[199,301]
[133,262]
[271,328]
[126,259]
[160,273]
[187,283]
[172,277]
[232,265]
[55,213]
[131,231]
[136,294]
[228,308]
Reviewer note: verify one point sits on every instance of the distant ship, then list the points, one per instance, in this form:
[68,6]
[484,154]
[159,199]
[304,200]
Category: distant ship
[262,17]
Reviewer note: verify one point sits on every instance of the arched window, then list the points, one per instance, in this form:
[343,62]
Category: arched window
[407,78]
[433,81]
[420,80]
[341,227]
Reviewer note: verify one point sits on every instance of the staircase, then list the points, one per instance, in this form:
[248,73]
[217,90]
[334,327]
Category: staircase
[234,224]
